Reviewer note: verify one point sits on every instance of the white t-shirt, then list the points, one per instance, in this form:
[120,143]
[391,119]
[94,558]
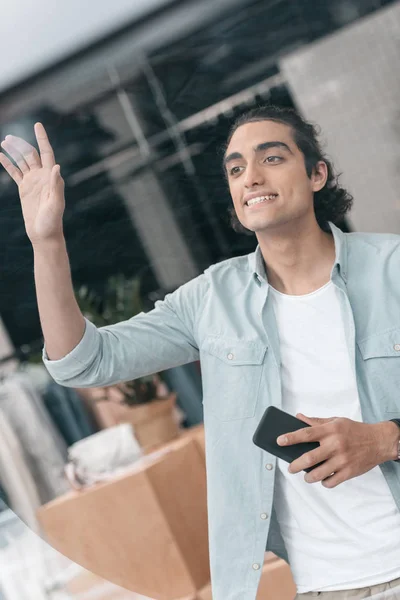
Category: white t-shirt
[348,536]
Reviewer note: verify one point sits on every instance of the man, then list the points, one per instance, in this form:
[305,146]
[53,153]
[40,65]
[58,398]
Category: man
[308,322]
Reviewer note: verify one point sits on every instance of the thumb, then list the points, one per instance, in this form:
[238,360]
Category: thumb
[314,420]
[55,178]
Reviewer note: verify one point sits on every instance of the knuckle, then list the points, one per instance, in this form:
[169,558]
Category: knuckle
[309,460]
[338,445]
[308,433]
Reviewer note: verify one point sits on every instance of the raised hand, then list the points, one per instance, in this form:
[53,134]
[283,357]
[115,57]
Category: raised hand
[40,185]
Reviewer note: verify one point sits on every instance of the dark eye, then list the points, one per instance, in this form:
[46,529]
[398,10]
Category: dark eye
[271,159]
[234,170]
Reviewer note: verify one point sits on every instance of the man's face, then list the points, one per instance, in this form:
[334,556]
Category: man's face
[266,169]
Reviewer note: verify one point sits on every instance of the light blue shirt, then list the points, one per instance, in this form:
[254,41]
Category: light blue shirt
[224,317]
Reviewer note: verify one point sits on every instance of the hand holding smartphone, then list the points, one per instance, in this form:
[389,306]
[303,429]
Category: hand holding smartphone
[276,422]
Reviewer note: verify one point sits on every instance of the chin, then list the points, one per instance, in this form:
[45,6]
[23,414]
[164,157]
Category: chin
[257,226]
[261,225]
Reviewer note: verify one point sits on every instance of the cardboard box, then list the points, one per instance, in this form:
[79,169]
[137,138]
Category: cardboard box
[153,423]
[195,433]
[87,585]
[145,531]
[276,584]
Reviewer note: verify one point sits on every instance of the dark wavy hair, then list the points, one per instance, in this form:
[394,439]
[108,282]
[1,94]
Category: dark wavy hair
[332,202]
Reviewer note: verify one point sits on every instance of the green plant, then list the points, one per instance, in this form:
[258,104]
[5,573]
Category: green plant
[121,301]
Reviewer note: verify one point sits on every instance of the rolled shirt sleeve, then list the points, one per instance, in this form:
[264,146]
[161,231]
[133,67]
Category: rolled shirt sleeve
[162,338]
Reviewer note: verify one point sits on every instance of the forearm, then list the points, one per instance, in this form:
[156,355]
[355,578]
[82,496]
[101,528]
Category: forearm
[61,319]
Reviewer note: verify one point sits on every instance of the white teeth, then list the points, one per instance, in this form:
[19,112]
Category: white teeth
[260,199]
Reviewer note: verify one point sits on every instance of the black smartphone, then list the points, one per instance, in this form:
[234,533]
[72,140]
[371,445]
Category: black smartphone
[276,422]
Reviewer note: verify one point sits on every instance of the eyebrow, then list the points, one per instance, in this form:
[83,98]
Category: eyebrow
[260,148]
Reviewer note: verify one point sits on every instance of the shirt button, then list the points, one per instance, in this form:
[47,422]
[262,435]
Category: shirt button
[256,566]
[397,347]
[264,516]
[230,356]
[269,467]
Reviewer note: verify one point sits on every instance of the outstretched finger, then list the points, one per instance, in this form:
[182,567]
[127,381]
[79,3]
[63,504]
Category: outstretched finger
[305,434]
[9,146]
[46,151]
[13,171]
[28,152]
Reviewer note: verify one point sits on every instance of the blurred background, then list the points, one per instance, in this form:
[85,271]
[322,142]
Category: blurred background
[137,99]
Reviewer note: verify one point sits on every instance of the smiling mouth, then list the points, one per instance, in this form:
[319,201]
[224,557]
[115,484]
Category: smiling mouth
[260,199]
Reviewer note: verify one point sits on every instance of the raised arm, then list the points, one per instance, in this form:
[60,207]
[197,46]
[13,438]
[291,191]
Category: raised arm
[76,353]
[41,191]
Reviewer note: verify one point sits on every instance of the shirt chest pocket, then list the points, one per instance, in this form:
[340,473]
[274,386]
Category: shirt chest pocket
[232,374]
[381,355]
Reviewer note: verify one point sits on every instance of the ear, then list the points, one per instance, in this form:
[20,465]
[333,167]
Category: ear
[319,176]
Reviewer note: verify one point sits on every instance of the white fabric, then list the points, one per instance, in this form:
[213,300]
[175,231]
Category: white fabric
[16,477]
[96,457]
[37,374]
[44,449]
[345,537]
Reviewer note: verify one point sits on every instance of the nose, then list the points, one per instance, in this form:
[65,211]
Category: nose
[254,175]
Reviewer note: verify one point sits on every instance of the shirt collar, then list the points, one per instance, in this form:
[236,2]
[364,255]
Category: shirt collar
[257,267]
